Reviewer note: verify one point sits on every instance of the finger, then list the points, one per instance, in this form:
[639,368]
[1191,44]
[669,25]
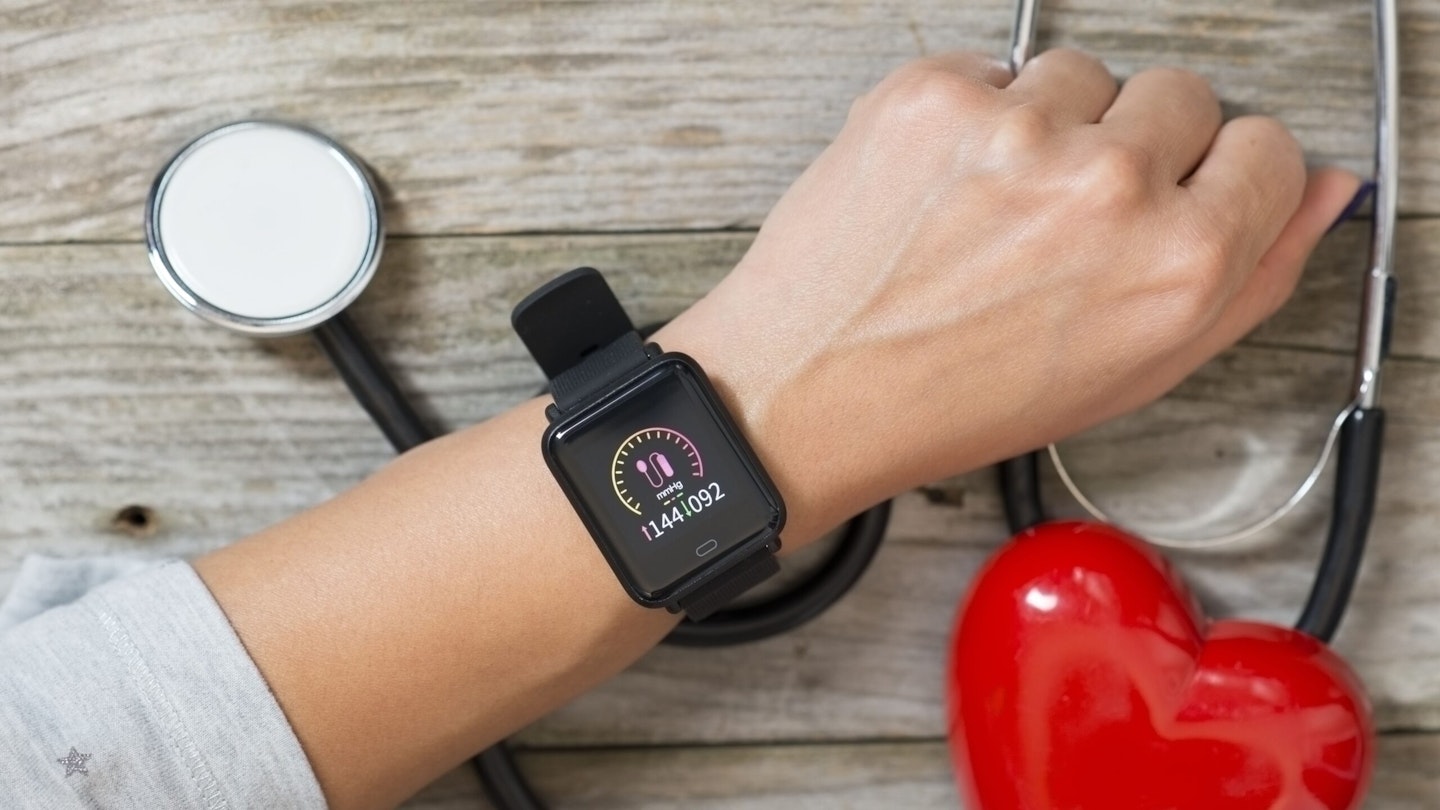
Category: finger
[980,67]
[1327,194]
[1173,114]
[1069,85]
[1248,187]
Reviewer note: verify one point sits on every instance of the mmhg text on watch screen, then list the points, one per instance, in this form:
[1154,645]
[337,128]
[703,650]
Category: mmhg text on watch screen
[661,479]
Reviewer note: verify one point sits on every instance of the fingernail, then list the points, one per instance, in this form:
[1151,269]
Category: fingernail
[1356,203]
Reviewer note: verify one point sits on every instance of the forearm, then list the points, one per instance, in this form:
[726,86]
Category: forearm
[454,596]
[443,603]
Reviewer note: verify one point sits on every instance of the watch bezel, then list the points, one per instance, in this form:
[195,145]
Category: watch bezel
[598,408]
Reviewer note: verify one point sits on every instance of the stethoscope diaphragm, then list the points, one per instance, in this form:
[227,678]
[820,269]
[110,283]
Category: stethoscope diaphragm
[264,227]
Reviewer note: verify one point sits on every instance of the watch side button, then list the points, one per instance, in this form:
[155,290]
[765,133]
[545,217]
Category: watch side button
[706,547]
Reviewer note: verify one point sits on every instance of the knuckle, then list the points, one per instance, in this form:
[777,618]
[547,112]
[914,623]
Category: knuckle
[1018,131]
[1183,313]
[1175,98]
[1205,264]
[1117,178]
[925,94]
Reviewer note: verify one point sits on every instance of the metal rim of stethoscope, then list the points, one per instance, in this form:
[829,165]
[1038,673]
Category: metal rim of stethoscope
[292,323]
[1357,429]
[392,411]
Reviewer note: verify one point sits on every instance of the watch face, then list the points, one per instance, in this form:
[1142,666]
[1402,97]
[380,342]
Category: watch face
[660,475]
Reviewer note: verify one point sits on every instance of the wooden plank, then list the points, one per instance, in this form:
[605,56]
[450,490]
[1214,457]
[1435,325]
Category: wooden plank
[915,776]
[509,116]
[111,395]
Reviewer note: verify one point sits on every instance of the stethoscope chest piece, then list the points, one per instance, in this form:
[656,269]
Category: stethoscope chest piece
[263,227]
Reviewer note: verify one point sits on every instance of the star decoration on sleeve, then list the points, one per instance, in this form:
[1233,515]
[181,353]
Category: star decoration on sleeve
[74,762]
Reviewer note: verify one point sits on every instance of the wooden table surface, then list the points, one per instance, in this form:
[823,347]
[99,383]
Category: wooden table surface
[518,139]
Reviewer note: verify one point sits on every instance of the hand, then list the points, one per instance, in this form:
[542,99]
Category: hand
[978,266]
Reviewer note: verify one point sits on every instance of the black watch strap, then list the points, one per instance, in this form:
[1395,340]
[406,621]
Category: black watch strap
[579,334]
[750,572]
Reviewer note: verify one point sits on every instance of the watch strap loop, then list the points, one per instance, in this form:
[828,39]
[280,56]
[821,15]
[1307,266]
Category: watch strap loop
[598,372]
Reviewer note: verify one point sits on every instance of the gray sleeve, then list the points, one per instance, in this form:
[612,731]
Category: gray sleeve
[136,693]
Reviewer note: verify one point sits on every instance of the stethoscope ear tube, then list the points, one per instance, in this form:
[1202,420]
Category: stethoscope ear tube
[1353,506]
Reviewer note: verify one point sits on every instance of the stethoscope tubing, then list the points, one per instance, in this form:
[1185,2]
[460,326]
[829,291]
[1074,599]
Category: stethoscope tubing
[370,383]
[1378,302]
[1352,507]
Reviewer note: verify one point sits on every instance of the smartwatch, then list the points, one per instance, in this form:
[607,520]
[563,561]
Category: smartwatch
[647,454]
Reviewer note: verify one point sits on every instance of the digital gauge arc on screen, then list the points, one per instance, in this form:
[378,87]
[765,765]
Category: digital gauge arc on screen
[650,467]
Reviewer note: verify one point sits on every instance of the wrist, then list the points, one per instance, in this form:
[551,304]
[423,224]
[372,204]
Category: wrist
[756,387]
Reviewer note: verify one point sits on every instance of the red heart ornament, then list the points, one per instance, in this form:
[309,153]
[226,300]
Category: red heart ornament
[1083,676]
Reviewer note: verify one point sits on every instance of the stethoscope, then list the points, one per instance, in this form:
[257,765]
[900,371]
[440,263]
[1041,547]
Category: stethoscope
[271,229]
[1359,427]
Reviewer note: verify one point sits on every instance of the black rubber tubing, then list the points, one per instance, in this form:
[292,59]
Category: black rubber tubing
[1356,479]
[1353,505]
[371,384]
[500,776]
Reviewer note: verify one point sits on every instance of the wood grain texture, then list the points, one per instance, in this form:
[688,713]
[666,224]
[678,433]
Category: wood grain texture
[508,116]
[914,776]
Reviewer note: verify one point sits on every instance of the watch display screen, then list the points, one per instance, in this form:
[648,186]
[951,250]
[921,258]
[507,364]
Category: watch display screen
[659,475]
